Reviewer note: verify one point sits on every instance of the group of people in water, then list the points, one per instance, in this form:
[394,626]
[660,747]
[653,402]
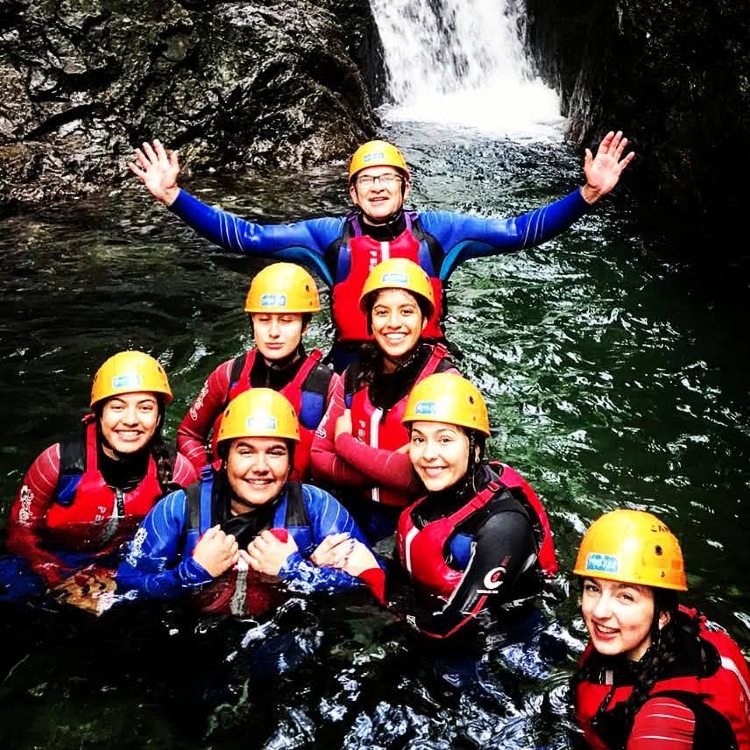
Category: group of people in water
[291,468]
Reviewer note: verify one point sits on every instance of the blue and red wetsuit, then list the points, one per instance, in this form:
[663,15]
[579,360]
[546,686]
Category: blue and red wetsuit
[340,252]
[160,565]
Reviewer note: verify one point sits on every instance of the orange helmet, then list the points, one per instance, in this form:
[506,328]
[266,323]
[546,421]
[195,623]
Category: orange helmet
[449,398]
[130,372]
[398,273]
[632,546]
[280,288]
[377,154]
[259,412]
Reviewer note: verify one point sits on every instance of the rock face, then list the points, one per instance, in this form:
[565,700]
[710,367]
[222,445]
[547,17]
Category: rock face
[230,83]
[676,77]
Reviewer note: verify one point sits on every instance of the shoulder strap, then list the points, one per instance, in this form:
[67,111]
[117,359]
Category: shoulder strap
[238,365]
[319,378]
[296,510]
[193,493]
[73,454]
[435,249]
[331,255]
[351,381]
[199,498]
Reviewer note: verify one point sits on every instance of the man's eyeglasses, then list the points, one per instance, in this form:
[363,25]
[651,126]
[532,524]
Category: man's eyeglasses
[387,180]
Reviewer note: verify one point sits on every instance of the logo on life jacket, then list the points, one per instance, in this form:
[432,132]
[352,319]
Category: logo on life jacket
[602,563]
[273,300]
[494,579]
[128,380]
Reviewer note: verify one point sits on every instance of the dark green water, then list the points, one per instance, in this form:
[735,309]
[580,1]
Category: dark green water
[613,378]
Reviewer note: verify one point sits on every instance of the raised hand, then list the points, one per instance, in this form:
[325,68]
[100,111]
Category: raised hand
[216,551]
[157,169]
[603,170]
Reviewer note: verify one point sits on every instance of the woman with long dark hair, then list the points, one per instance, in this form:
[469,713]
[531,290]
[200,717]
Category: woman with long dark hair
[84,497]
[654,675]
[479,539]
[360,447]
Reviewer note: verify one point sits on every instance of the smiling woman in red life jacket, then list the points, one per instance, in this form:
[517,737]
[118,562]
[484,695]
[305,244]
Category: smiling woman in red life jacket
[280,302]
[479,539]
[360,446]
[82,498]
[653,675]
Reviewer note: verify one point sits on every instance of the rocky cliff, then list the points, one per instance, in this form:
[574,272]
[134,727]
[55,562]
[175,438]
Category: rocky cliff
[676,77]
[231,83]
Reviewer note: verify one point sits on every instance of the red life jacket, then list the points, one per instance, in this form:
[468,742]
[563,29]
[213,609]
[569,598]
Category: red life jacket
[372,428]
[97,517]
[422,550]
[363,254]
[305,382]
[727,690]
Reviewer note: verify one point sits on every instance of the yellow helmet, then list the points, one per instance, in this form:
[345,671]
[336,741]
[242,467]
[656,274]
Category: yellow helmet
[398,273]
[130,372]
[450,398]
[280,288]
[259,412]
[632,546]
[377,154]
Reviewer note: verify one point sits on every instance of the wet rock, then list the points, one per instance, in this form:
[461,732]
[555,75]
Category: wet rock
[230,83]
[676,77]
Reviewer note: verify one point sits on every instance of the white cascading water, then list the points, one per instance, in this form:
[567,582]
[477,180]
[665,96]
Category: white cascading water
[461,62]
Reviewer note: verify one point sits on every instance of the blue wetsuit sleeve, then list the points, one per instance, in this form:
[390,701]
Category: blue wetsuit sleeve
[159,562]
[463,236]
[303,242]
[327,516]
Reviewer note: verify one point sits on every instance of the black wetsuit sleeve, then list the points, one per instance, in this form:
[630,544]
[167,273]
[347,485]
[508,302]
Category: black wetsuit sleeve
[501,551]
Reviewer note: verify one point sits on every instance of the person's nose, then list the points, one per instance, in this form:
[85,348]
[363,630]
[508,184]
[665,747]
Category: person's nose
[273,329]
[603,608]
[130,415]
[430,452]
[260,464]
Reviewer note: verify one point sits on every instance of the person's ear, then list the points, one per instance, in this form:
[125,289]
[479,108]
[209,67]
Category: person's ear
[664,619]
[353,194]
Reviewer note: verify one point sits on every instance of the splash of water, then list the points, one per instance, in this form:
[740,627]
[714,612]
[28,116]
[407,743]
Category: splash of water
[461,62]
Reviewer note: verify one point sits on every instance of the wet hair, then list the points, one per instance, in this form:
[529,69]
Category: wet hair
[161,454]
[655,662]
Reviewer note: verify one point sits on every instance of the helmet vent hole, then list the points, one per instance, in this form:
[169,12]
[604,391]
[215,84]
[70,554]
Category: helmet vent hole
[658,550]
[471,400]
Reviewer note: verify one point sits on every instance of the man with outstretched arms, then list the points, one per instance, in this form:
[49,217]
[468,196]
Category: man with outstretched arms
[343,250]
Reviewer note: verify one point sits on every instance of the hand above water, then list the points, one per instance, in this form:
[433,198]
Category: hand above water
[603,170]
[157,169]
[268,552]
[216,551]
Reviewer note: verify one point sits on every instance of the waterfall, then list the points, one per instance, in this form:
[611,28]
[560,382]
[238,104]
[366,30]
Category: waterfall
[462,62]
